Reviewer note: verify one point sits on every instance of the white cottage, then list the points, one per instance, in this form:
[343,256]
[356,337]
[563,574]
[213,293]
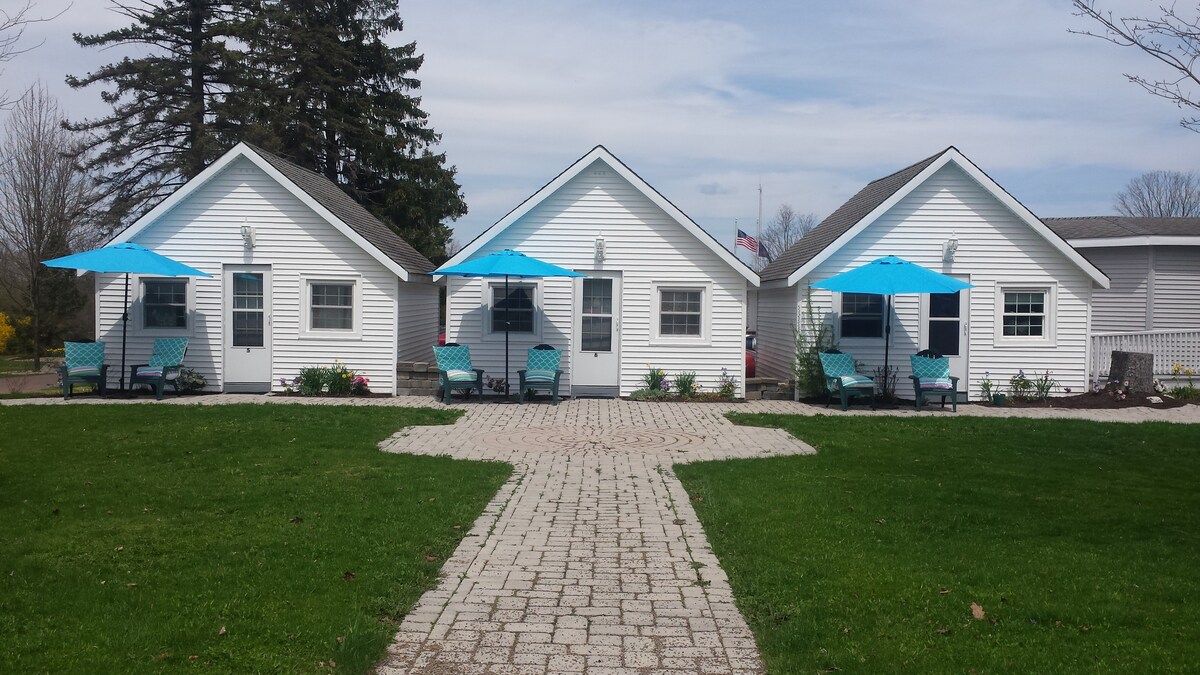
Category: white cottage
[659,292]
[1029,307]
[301,275]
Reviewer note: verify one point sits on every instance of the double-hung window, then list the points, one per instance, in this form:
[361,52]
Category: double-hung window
[1024,314]
[862,315]
[165,304]
[332,307]
[682,313]
[516,310]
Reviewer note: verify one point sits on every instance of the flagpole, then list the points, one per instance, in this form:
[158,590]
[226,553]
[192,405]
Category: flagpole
[758,225]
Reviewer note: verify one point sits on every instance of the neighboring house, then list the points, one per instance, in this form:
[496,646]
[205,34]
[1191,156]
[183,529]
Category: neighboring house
[1154,265]
[1028,309]
[302,275]
[1153,304]
[659,292]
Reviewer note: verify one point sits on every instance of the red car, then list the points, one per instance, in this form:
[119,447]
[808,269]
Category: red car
[751,354]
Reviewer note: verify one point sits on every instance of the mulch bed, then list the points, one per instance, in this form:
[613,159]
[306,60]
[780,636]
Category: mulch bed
[1100,401]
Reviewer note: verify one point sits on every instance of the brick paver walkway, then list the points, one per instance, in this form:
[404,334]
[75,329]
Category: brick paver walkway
[591,558]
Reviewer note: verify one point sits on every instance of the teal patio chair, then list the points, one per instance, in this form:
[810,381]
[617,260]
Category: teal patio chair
[931,379]
[842,379]
[541,372]
[455,370]
[165,362]
[83,364]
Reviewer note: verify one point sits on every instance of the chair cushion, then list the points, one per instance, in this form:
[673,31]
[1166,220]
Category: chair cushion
[150,371]
[88,354]
[855,381]
[168,351]
[461,376]
[543,359]
[937,383]
[83,371]
[453,358]
[539,376]
[837,365]
[927,368]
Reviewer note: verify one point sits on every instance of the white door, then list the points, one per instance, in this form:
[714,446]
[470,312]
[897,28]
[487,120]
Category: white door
[247,328]
[595,359]
[945,329]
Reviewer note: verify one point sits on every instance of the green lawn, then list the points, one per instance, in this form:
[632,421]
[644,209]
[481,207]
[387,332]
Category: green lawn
[1079,541]
[256,538]
[13,364]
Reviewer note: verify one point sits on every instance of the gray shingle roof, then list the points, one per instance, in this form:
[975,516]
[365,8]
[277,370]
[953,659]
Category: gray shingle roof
[350,212]
[1106,227]
[843,219]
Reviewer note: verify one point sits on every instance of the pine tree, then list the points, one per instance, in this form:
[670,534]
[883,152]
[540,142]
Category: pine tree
[172,114]
[338,100]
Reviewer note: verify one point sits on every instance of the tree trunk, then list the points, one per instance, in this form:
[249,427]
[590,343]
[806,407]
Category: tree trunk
[1135,368]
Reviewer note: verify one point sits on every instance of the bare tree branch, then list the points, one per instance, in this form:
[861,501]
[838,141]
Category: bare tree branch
[1171,39]
[12,29]
[785,230]
[1161,194]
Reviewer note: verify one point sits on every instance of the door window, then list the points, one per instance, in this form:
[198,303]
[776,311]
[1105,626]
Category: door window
[596,321]
[248,317]
[945,323]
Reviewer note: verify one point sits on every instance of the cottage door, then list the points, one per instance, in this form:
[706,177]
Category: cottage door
[247,328]
[945,329]
[595,356]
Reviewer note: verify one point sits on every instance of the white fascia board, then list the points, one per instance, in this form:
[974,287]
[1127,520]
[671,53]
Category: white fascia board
[602,154]
[993,188]
[1151,240]
[242,150]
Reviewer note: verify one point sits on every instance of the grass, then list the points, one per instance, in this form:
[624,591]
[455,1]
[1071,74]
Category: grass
[1078,540]
[256,538]
[13,364]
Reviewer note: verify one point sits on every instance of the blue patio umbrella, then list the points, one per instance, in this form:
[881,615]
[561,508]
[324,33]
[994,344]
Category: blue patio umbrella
[508,264]
[888,276]
[128,259]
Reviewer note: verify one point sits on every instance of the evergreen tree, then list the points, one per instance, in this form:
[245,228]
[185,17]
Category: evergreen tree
[339,100]
[172,114]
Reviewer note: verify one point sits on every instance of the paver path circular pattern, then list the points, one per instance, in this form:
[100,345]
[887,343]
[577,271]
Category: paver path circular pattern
[590,559]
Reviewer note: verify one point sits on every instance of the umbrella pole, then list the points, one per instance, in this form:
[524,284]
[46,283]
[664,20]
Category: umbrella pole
[887,344]
[507,310]
[124,330]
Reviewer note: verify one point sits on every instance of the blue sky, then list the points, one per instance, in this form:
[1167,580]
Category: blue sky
[707,100]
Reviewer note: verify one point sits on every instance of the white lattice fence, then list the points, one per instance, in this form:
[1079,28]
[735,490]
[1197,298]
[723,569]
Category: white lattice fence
[1168,347]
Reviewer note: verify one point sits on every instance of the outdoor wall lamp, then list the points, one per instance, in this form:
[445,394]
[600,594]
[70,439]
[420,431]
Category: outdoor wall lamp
[949,248]
[248,236]
[599,245]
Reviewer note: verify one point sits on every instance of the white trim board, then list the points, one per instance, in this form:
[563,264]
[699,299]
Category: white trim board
[1136,240]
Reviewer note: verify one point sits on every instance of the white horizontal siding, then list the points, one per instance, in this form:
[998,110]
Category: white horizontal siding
[1176,287]
[417,328]
[995,249]
[1123,305]
[777,309]
[646,246]
[204,231]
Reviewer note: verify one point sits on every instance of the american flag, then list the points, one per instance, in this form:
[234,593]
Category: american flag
[746,241]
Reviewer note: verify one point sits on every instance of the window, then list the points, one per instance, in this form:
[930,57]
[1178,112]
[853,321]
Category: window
[862,315]
[516,310]
[332,305]
[681,312]
[164,303]
[1024,314]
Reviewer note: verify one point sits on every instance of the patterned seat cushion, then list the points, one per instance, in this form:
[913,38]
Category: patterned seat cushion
[926,368]
[937,383]
[855,381]
[150,371]
[461,376]
[454,357]
[539,376]
[83,371]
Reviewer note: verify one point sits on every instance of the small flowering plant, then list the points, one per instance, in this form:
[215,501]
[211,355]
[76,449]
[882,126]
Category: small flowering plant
[987,387]
[655,379]
[726,384]
[335,380]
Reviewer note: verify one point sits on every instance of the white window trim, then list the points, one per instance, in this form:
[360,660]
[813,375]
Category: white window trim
[138,315]
[306,284]
[705,337]
[853,341]
[1049,336]
[488,303]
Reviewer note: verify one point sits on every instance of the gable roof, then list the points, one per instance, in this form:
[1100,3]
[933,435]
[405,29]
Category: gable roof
[318,193]
[845,217]
[1126,230]
[600,153]
[880,195]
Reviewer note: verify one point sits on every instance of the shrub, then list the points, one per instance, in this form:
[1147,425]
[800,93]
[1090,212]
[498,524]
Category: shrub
[1020,386]
[311,381]
[648,394]
[190,380]
[655,379]
[726,384]
[812,336]
[6,332]
[339,379]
